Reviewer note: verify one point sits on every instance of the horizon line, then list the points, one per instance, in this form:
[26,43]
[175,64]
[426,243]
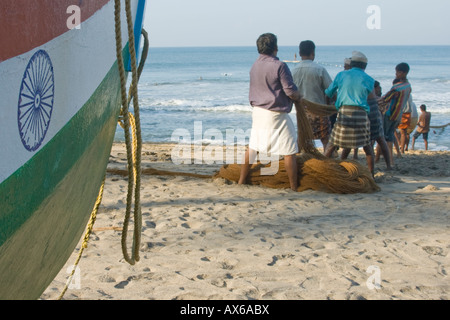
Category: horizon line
[296,45]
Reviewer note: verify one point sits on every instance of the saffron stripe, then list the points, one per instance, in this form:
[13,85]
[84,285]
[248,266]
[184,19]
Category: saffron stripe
[25,24]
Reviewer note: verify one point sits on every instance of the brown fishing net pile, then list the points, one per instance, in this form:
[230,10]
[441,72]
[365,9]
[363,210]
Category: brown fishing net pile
[315,171]
[325,175]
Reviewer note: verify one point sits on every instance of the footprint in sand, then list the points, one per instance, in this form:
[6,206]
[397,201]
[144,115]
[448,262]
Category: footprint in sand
[442,270]
[123,284]
[228,265]
[202,276]
[282,257]
[313,245]
[433,250]
[152,246]
[106,278]
[150,224]
[186,225]
[219,283]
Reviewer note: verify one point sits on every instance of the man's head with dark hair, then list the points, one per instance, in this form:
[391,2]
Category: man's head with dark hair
[401,71]
[403,67]
[377,87]
[423,107]
[307,48]
[267,43]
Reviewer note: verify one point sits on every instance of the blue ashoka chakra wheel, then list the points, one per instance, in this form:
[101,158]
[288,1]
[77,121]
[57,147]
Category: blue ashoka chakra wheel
[36,100]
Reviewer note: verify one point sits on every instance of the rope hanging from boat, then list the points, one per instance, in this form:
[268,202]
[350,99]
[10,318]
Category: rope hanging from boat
[134,146]
[89,229]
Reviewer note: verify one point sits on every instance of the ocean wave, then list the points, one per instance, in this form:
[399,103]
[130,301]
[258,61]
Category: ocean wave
[175,105]
[195,80]
[145,85]
[440,80]
[229,108]
[435,103]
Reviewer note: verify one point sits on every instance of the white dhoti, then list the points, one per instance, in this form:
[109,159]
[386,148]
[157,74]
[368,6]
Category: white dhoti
[273,133]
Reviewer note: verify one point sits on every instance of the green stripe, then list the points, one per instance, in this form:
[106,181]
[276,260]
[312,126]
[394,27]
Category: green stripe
[45,205]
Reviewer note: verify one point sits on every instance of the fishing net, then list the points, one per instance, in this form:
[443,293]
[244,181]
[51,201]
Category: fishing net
[315,171]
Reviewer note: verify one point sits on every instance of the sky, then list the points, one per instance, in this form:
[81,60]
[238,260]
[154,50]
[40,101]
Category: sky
[192,23]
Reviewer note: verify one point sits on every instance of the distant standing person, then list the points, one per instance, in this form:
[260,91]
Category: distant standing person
[272,92]
[404,125]
[312,79]
[423,126]
[378,90]
[352,127]
[347,63]
[413,123]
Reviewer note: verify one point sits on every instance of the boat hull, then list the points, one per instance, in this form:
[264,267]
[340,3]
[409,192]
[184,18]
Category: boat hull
[50,223]
[58,120]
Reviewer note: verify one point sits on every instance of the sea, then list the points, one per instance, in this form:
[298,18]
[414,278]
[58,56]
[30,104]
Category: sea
[200,95]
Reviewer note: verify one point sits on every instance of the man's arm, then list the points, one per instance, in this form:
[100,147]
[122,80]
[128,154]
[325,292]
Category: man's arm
[289,86]
[421,122]
[296,96]
[372,95]
[332,88]
[389,96]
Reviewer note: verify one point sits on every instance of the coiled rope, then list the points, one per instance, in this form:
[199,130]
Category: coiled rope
[134,146]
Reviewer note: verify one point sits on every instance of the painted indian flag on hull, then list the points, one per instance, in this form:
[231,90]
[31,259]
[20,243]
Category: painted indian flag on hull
[60,102]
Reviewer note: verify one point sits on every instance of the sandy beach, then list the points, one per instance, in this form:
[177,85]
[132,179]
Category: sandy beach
[205,238]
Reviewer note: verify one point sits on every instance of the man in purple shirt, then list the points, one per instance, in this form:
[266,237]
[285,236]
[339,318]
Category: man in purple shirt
[272,92]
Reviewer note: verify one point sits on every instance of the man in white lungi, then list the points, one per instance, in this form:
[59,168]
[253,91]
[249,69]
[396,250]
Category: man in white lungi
[272,92]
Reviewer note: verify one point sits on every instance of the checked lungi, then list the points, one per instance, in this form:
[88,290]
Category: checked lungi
[376,122]
[352,128]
